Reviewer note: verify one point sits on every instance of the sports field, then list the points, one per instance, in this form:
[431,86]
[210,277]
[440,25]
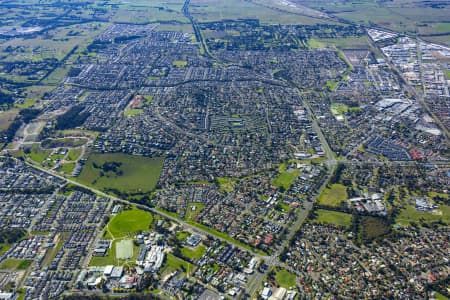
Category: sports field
[124,249]
[129,222]
[121,229]
[285,279]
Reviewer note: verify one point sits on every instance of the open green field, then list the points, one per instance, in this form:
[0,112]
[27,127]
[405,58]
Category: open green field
[56,75]
[182,235]
[173,263]
[180,63]
[437,194]
[36,153]
[379,15]
[226,184]
[420,15]
[7,117]
[333,196]
[434,28]
[148,99]
[285,279]
[341,43]
[191,214]
[338,108]
[15,264]
[67,168]
[332,85]
[447,74]
[442,27]
[439,296]
[333,217]
[135,173]
[34,93]
[193,253]
[26,103]
[285,177]
[109,259]
[51,143]
[149,12]
[268,12]
[129,222]
[4,247]
[57,43]
[283,206]
[132,112]
[373,227]
[439,39]
[136,110]
[73,154]
[398,15]
[181,27]
[411,215]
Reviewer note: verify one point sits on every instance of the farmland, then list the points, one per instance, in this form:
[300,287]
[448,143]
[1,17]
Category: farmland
[405,16]
[268,12]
